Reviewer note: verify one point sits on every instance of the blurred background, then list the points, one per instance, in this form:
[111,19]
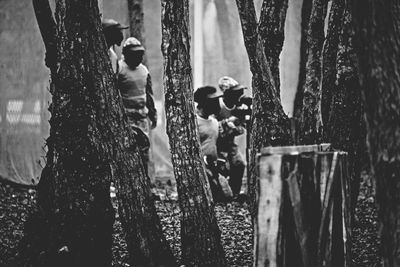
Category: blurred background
[217,50]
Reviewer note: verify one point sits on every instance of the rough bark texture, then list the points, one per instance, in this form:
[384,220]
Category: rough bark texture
[329,56]
[136,19]
[90,143]
[298,101]
[271,28]
[378,43]
[310,120]
[344,127]
[269,124]
[201,245]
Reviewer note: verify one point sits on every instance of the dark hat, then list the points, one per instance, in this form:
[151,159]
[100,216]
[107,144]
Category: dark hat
[206,92]
[112,24]
[226,83]
[237,87]
[132,44]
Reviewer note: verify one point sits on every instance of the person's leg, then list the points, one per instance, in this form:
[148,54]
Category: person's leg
[236,171]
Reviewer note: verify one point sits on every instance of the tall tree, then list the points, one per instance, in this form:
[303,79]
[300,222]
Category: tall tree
[136,19]
[310,120]
[329,58]
[378,45]
[201,245]
[341,93]
[269,125]
[90,143]
[298,101]
[271,27]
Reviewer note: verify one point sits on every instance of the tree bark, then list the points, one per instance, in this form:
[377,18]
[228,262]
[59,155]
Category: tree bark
[201,245]
[90,143]
[344,127]
[298,101]
[329,57]
[310,119]
[378,45]
[269,124]
[271,28]
[136,19]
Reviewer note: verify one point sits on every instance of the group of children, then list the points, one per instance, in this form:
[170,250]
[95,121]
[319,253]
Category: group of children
[133,82]
[215,106]
[218,128]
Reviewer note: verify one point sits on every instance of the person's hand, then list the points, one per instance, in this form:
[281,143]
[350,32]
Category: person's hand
[233,121]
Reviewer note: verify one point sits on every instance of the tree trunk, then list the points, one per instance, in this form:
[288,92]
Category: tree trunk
[298,101]
[201,245]
[310,119]
[269,124]
[344,124]
[378,43]
[329,57]
[136,19]
[271,28]
[90,143]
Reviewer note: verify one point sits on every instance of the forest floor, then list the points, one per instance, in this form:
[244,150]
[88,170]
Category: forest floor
[233,219]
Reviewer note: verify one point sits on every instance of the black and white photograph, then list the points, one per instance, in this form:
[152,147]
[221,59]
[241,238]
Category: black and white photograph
[199,133]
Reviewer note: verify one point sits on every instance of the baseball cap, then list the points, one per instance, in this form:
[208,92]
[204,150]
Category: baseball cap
[237,87]
[226,82]
[111,23]
[132,44]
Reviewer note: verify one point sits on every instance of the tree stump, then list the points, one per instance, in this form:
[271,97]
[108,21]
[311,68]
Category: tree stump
[303,207]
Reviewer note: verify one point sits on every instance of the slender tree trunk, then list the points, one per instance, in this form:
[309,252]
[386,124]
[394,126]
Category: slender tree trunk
[310,120]
[378,43]
[344,124]
[298,101]
[329,57]
[201,245]
[136,19]
[90,143]
[269,125]
[136,22]
[271,28]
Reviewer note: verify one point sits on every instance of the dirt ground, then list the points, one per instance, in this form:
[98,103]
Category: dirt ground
[233,219]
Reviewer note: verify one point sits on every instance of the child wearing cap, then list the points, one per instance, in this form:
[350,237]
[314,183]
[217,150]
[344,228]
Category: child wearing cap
[230,127]
[134,85]
[207,99]
[112,30]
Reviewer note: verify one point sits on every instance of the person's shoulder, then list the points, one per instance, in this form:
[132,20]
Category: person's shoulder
[213,119]
[143,68]
[122,66]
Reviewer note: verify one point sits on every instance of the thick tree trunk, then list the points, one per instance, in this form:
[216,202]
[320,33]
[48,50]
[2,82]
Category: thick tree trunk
[310,119]
[271,28]
[298,101]
[378,43]
[136,19]
[341,91]
[269,124]
[90,143]
[201,244]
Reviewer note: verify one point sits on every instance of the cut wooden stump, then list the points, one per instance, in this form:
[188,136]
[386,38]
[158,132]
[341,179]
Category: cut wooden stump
[303,216]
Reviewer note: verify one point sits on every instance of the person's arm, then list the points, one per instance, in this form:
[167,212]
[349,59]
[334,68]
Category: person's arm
[150,102]
[230,127]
